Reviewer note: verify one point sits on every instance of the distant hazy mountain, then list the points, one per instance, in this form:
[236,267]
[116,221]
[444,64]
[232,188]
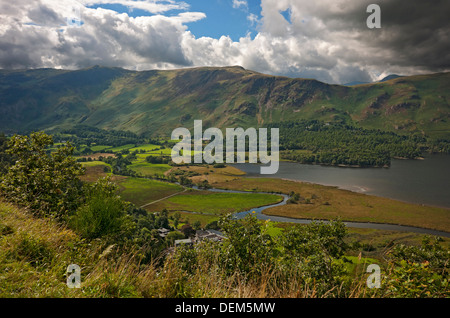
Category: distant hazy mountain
[155,102]
[355,83]
[387,78]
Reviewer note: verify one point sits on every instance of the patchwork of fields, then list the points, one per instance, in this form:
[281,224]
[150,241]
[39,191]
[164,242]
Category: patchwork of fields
[315,201]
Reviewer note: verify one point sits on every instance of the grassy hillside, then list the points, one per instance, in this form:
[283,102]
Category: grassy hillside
[35,253]
[155,102]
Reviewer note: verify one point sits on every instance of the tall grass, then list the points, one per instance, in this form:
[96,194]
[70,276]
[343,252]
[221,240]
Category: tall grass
[35,253]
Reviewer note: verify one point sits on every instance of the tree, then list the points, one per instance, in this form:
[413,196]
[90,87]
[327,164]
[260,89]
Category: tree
[187,230]
[197,225]
[248,248]
[314,248]
[176,219]
[46,183]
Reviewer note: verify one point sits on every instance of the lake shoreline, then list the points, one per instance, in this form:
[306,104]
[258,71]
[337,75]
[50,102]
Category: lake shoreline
[416,181]
[363,192]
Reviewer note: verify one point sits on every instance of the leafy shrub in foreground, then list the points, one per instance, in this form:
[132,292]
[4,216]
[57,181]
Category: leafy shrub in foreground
[103,214]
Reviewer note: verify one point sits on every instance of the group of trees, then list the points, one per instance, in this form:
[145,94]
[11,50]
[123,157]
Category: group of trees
[338,143]
[87,135]
[6,159]
[49,185]
[46,183]
[120,162]
[159,159]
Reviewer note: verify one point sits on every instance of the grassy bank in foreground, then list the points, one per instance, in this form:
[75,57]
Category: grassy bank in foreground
[35,253]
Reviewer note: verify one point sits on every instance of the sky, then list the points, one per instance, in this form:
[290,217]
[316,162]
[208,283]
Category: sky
[327,40]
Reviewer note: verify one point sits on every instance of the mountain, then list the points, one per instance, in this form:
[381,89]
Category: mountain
[384,79]
[389,77]
[355,83]
[155,102]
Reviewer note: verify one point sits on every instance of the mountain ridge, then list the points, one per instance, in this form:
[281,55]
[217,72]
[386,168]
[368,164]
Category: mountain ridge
[154,102]
[384,79]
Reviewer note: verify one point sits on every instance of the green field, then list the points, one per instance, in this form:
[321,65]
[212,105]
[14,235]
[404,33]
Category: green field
[149,169]
[214,203]
[94,163]
[146,169]
[99,148]
[120,148]
[141,191]
[146,148]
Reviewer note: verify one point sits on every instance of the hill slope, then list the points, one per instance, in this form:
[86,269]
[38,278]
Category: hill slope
[155,102]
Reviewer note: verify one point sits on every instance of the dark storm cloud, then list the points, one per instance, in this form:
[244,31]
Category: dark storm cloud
[414,33]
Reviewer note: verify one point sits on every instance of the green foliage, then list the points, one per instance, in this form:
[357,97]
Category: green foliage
[6,159]
[314,248]
[146,236]
[309,252]
[248,247]
[316,237]
[294,198]
[103,214]
[86,135]
[313,141]
[418,271]
[119,164]
[46,183]
[158,159]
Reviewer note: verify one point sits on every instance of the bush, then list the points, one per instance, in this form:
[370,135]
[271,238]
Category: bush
[418,271]
[248,249]
[104,213]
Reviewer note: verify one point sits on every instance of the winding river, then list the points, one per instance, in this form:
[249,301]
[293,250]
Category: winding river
[368,225]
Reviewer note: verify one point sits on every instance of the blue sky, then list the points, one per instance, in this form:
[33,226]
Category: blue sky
[222,18]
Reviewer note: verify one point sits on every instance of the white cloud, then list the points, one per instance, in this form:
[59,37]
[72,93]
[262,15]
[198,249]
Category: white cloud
[152,6]
[324,39]
[240,3]
[253,18]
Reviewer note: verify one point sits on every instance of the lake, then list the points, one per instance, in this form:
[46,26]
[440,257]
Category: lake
[417,181]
